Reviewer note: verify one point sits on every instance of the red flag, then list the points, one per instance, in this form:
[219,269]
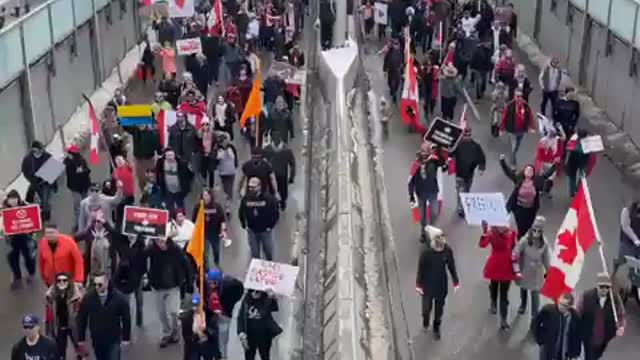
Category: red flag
[95,136]
[164,120]
[215,23]
[409,99]
[575,237]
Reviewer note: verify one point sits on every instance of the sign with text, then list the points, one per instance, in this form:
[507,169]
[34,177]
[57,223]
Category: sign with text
[444,133]
[189,46]
[145,221]
[592,144]
[489,207]
[264,275]
[51,170]
[380,13]
[21,220]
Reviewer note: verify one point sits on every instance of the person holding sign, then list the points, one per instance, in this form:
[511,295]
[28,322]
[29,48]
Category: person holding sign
[423,186]
[20,245]
[31,163]
[256,325]
[579,163]
[468,156]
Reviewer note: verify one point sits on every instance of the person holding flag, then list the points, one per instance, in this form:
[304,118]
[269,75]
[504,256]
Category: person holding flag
[410,97]
[253,106]
[424,187]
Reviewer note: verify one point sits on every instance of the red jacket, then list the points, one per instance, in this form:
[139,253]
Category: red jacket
[517,117]
[125,174]
[66,258]
[196,111]
[499,264]
[547,155]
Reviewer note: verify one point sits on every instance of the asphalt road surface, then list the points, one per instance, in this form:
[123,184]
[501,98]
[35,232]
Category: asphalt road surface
[468,330]
[235,261]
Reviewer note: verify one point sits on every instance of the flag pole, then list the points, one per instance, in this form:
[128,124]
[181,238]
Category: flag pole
[441,36]
[101,133]
[585,187]
[201,270]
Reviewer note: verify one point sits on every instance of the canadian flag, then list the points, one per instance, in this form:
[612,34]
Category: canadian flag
[575,237]
[215,23]
[165,119]
[409,99]
[95,136]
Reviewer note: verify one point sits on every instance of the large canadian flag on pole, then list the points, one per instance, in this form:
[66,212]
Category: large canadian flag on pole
[575,237]
[409,99]
[164,120]
[94,159]
[215,22]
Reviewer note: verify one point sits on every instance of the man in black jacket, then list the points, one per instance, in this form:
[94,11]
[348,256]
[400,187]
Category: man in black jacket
[284,166]
[78,177]
[468,156]
[432,281]
[105,311]
[259,214]
[567,112]
[480,66]
[31,163]
[34,345]
[556,329]
[168,270]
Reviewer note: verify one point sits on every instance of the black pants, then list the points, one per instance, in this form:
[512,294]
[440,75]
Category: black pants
[425,39]
[428,302]
[593,352]
[326,34]
[208,171]
[393,80]
[259,345]
[548,96]
[63,336]
[448,106]
[21,246]
[501,288]
[129,200]
[283,189]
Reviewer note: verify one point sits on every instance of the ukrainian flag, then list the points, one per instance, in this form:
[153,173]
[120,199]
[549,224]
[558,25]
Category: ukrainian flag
[135,115]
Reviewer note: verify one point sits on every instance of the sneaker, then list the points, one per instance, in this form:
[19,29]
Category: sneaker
[164,342]
[436,334]
[521,309]
[493,309]
[504,326]
[174,339]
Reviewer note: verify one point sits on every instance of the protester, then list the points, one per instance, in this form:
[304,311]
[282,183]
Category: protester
[423,186]
[517,120]
[131,270]
[105,311]
[256,326]
[31,163]
[146,146]
[450,88]
[550,79]
[63,299]
[21,245]
[181,229]
[281,158]
[199,332]
[98,202]
[260,168]
[183,138]
[230,291]
[227,166]
[557,330]
[208,152]
[78,177]
[549,154]
[100,254]
[579,163]
[498,267]
[215,222]
[259,214]
[432,281]
[173,178]
[34,345]
[59,253]
[468,156]
[630,230]
[567,112]
[123,174]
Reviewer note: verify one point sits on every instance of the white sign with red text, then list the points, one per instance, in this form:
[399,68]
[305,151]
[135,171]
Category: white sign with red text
[189,46]
[264,275]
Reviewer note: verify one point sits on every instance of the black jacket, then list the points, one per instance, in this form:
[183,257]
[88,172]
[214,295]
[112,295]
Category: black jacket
[184,176]
[146,142]
[424,182]
[262,327]
[31,165]
[280,121]
[546,331]
[78,173]
[191,339]
[184,141]
[468,156]
[539,180]
[132,265]
[230,292]
[481,58]
[168,268]
[432,271]
[590,306]
[283,161]
[45,349]
[107,323]
[567,113]
[258,212]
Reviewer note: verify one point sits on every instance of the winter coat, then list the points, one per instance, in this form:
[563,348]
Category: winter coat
[191,339]
[517,117]
[590,309]
[65,259]
[538,181]
[108,323]
[545,155]
[230,291]
[424,181]
[546,331]
[168,268]
[258,212]
[146,142]
[131,265]
[31,165]
[481,59]
[432,275]
[515,85]
[184,141]
[280,121]
[468,156]
[255,318]
[71,300]
[498,266]
[78,173]
[532,262]
[282,160]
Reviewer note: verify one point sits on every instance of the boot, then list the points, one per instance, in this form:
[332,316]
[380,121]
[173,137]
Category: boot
[523,302]
[493,309]
[425,323]
[436,330]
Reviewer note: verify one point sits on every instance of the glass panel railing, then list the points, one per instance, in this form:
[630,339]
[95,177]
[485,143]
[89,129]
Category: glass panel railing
[84,11]
[37,37]
[10,55]
[62,15]
[599,10]
[623,17]
[101,3]
[580,4]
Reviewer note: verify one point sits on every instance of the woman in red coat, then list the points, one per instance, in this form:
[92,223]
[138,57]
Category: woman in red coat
[549,153]
[499,266]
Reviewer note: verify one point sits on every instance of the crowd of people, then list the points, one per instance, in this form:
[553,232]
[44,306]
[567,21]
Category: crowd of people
[90,287]
[462,52]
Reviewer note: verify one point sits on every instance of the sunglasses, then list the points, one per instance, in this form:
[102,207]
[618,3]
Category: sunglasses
[99,284]
[604,287]
[28,327]
[536,231]
[62,281]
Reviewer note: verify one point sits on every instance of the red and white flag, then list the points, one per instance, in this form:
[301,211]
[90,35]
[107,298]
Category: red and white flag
[409,100]
[94,126]
[463,117]
[164,120]
[575,237]
[215,23]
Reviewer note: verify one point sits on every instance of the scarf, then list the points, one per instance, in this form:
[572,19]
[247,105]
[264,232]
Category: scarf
[220,112]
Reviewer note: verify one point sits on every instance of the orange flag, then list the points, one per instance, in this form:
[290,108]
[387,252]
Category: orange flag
[253,107]
[196,245]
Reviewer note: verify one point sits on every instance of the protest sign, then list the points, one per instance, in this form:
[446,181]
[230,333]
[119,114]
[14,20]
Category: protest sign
[21,220]
[145,221]
[263,275]
[380,14]
[489,207]
[592,144]
[51,170]
[189,46]
[444,134]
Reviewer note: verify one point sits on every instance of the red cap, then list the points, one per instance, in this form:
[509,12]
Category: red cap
[73,148]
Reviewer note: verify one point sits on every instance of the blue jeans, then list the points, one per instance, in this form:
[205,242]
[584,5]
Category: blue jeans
[262,240]
[106,350]
[432,200]
[535,301]
[516,140]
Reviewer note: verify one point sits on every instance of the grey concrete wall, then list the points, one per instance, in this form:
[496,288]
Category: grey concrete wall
[57,90]
[606,75]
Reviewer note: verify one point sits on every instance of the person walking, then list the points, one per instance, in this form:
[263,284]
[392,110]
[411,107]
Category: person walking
[259,214]
[208,142]
[599,323]
[423,186]
[524,200]
[557,330]
[34,345]
[449,89]
[259,167]
[199,332]
[63,299]
[131,270]
[256,326]
[173,177]
[78,177]
[468,156]
[283,162]
[549,154]
[517,120]
[183,138]
[432,281]
[531,258]
[578,163]
[229,291]
[58,253]
[567,112]
[630,230]
[480,67]
[97,201]
[520,82]
[146,142]
[498,267]
[105,311]
[20,244]
[227,168]
[550,78]
[215,223]
[123,173]
[31,163]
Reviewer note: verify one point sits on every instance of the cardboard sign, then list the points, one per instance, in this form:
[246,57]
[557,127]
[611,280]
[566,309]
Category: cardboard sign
[444,134]
[592,144]
[153,223]
[21,220]
[189,46]
[51,170]
[380,13]
[489,207]
[263,275]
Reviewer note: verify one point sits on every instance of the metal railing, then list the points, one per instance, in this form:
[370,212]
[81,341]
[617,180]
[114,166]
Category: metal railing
[26,40]
[619,16]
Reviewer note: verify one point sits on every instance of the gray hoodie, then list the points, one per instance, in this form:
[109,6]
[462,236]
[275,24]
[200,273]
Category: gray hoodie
[104,202]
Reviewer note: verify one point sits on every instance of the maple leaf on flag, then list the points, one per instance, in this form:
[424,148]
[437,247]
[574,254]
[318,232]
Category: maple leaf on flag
[568,247]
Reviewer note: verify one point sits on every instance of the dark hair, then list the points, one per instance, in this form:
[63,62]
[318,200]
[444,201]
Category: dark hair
[51,225]
[569,296]
[36,145]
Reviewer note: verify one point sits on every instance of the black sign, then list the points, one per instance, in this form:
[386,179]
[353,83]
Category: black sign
[145,221]
[444,133]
